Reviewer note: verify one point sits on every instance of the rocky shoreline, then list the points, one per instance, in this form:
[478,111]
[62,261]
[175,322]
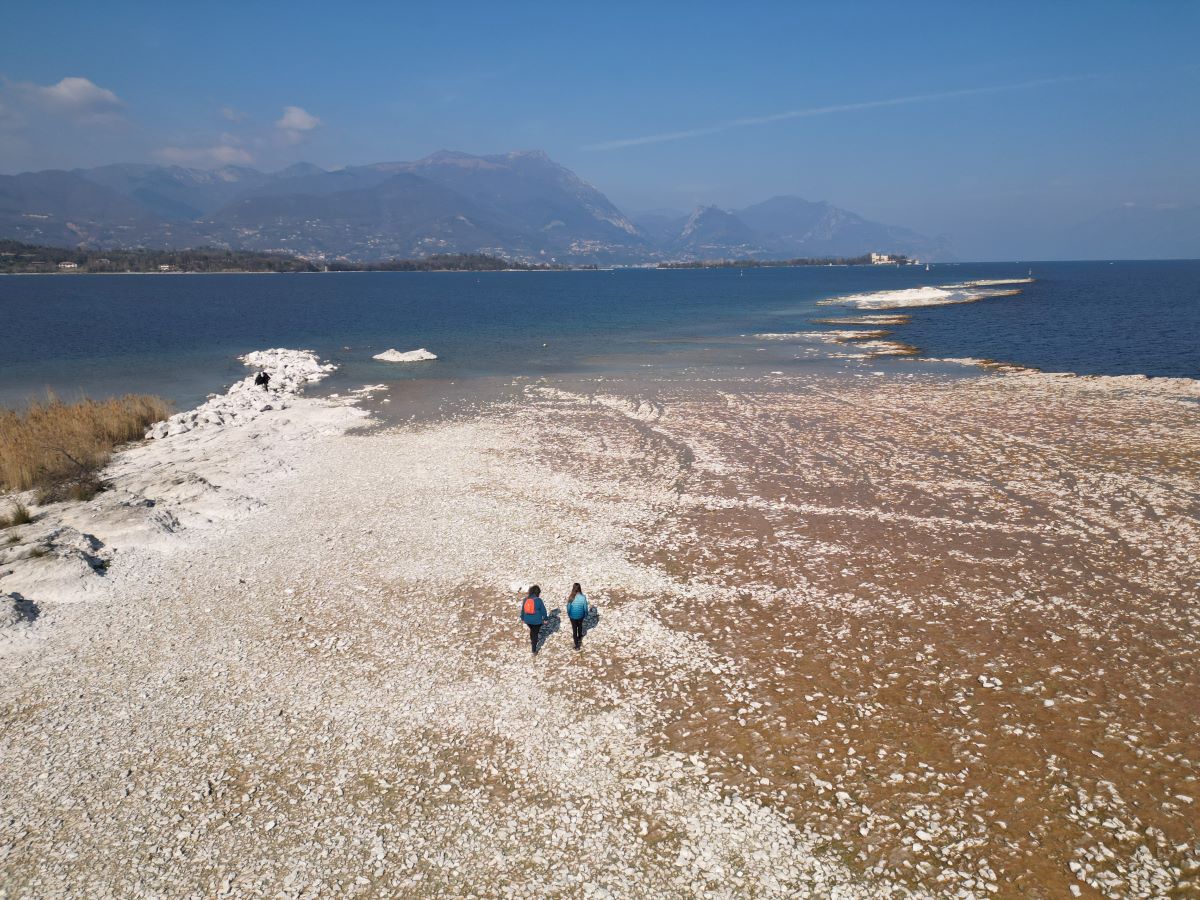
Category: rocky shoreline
[197,468]
[296,668]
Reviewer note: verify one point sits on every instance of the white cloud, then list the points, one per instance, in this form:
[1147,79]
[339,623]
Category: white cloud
[295,123]
[232,114]
[295,118]
[76,97]
[216,155]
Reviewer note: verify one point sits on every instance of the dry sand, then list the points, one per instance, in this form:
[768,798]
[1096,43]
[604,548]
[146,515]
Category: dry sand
[856,637]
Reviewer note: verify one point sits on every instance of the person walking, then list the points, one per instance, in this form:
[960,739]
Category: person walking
[577,610]
[533,614]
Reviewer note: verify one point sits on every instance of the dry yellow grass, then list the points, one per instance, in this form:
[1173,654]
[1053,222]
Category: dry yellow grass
[59,447]
[18,515]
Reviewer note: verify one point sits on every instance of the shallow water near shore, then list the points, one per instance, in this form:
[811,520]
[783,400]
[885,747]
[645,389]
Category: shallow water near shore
[179,335]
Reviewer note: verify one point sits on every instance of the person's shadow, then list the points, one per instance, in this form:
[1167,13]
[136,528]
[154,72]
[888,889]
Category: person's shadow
[591,620]
[550,626]
[24,608]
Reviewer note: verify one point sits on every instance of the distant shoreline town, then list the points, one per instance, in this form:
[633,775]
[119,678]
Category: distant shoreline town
[18,258]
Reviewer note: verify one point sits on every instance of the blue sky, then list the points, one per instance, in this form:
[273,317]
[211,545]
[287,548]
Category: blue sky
[970,119]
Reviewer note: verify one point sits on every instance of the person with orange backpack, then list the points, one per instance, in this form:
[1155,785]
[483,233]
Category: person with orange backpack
[533,614]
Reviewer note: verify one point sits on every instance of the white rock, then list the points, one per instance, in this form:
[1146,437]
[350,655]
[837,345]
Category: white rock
[404,356]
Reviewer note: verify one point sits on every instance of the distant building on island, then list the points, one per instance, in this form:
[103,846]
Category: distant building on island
[68,265]
[165,268]
[884,259]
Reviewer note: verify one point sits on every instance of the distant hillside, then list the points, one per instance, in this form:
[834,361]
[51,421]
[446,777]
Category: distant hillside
[782,228]
[520,206]
[660,226]
[709,233]
[174,193]
[65,209]
[796,227]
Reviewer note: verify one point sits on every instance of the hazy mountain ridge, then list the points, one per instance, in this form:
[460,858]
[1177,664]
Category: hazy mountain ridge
[176,193]
[521,205]
[783,228]
[711,232]
[58,207]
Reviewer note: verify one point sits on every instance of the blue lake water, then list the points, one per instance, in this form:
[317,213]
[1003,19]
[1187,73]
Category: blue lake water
[179,335]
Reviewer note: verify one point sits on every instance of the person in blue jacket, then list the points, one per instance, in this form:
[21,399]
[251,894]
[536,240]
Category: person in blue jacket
[533,614]
[577,610]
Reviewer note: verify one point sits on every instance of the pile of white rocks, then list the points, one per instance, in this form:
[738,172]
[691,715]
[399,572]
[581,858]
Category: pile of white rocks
[395,355]
[290,371]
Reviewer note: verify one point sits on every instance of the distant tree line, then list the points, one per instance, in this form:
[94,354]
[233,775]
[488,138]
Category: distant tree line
[19,258]
[440,262]
[863,260]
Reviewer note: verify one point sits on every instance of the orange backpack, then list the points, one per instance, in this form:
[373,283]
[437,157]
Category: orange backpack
[530,606]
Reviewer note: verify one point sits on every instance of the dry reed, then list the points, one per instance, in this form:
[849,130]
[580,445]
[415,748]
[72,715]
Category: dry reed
[18,515]
[59,448]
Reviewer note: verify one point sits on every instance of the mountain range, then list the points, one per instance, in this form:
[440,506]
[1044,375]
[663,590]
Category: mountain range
[519,205]
[782,228]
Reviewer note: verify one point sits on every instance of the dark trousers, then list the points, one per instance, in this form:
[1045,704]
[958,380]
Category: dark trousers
[533,636]
[577,632]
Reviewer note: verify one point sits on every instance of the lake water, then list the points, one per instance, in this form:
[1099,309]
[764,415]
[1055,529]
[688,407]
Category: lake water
[179,335]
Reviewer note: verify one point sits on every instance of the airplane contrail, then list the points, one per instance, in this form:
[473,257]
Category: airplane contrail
[665,136]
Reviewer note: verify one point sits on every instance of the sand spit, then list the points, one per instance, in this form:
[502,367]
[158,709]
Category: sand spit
[867,343]
[1161,386]
[855,637]
[842,336]
[929,295]
[399,356]
[878,319]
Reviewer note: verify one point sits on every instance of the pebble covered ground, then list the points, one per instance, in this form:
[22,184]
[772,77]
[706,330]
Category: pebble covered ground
[853,637]
[963,615]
